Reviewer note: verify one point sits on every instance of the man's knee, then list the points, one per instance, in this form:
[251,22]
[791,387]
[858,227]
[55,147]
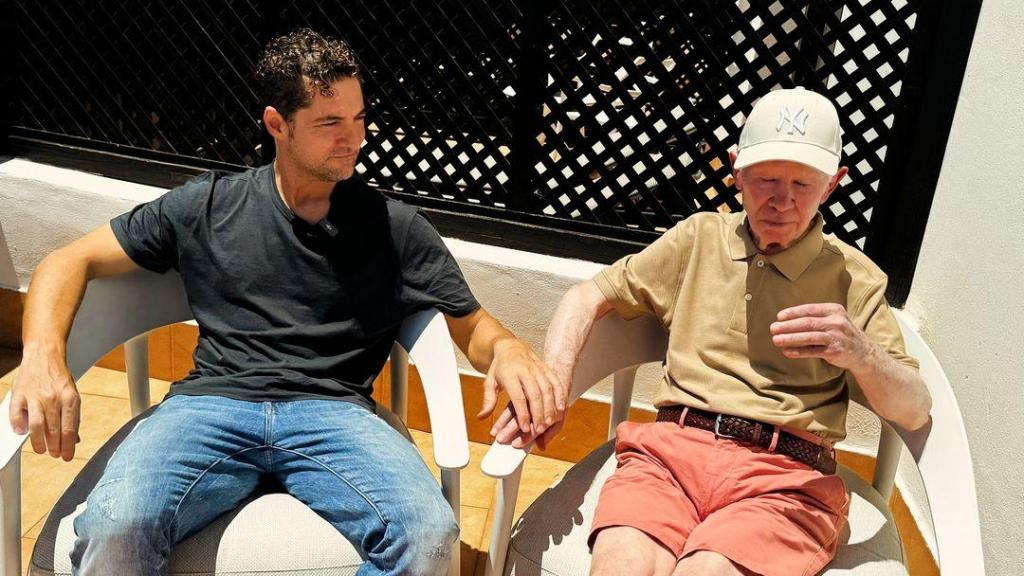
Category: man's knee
[429,536]
[125,544]
[122,515]
[626,550]
[128,528]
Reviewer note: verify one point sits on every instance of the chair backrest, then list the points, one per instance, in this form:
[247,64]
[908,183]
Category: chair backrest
[943,459]
[118,308]
[940,448]
[615,344]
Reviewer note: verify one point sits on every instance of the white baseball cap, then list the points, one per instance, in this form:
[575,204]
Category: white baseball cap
[792,124]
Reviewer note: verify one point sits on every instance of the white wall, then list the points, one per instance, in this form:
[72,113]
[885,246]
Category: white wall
[968,288]
[43,208]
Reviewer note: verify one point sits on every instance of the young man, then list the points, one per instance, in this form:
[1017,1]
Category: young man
[299,276]
[770,322]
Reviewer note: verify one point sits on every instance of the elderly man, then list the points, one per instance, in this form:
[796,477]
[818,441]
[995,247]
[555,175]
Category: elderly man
[299,275]
[770,322]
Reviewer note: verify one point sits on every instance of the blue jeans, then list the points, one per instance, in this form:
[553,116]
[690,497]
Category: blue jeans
[196,457]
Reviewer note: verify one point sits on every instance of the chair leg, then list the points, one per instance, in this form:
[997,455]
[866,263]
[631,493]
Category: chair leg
[10,511]
[504,512]
[399,382]
[450,483]
[890,448]
[136,360]
[623,392]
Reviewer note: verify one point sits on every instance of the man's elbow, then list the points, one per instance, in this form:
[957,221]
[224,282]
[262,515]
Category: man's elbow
[60,261]
[588,296]
[920,415]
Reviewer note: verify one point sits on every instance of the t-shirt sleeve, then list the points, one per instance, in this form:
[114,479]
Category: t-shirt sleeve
[647,283]
[431,278]
[150,232]
[874,316]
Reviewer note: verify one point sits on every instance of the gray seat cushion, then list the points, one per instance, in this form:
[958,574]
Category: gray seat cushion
[271,533]
[551,536]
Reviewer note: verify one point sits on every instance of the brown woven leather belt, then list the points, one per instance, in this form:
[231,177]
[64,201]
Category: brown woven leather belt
[754,433]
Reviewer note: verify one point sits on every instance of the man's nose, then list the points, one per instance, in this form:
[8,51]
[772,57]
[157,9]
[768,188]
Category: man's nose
[781,199]
[347,136]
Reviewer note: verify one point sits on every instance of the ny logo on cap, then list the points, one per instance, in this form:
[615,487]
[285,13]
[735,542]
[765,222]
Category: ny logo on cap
[795,120]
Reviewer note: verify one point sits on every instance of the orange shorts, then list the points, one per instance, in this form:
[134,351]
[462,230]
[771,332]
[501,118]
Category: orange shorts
[692,491]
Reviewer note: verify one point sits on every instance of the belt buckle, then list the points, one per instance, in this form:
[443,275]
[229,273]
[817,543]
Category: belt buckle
[718,433]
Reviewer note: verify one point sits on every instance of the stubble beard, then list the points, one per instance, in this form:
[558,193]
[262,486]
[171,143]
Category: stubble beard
[322,171]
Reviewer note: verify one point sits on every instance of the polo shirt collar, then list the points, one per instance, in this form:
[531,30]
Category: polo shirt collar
[741,245]
[794,260]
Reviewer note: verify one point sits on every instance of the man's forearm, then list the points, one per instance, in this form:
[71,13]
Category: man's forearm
[54,295]
[570,327]
[896,392]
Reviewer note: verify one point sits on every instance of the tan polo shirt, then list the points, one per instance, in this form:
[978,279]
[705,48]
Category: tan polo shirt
[716,296]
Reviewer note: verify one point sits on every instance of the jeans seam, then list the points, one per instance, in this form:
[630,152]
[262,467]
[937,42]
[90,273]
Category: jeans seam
[177,507]
[268,432]
[341,477]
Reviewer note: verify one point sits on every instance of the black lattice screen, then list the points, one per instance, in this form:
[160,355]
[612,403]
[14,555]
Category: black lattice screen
[601,116]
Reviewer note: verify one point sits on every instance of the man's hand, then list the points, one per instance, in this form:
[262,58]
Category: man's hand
[894,391]
[577,311]
[46,404]
[822,331]
[536,396]
[506,430]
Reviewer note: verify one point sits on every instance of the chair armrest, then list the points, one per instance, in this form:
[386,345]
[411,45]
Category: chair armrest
[425,337]
[10,441]
[501,460]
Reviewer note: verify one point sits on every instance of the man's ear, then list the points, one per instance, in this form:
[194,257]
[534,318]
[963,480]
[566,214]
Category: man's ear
[834,182]
[275,123]
[735,174]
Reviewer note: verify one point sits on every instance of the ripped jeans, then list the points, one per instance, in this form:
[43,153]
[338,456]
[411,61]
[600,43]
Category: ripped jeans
[196,457]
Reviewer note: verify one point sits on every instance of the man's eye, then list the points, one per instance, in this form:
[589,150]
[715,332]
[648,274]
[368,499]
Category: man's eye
[768,180]
[801,184]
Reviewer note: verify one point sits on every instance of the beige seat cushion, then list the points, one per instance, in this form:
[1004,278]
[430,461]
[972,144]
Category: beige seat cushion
[551,536]
[272,534]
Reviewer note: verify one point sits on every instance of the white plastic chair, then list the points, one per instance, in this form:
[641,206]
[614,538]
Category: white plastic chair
[123,309]
[618,347]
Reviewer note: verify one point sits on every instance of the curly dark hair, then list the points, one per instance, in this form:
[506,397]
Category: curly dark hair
[292,66]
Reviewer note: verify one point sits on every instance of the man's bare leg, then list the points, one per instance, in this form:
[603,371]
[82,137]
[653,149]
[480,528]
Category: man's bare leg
[708,563]
[624,550]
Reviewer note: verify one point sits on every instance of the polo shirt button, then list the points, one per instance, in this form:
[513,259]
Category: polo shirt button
[748,297]
[760,263]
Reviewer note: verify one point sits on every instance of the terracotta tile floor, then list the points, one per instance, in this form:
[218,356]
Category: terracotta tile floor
[105,409]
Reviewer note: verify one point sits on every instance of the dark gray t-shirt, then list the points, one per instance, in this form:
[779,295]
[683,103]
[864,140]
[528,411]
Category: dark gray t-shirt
[286,311]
